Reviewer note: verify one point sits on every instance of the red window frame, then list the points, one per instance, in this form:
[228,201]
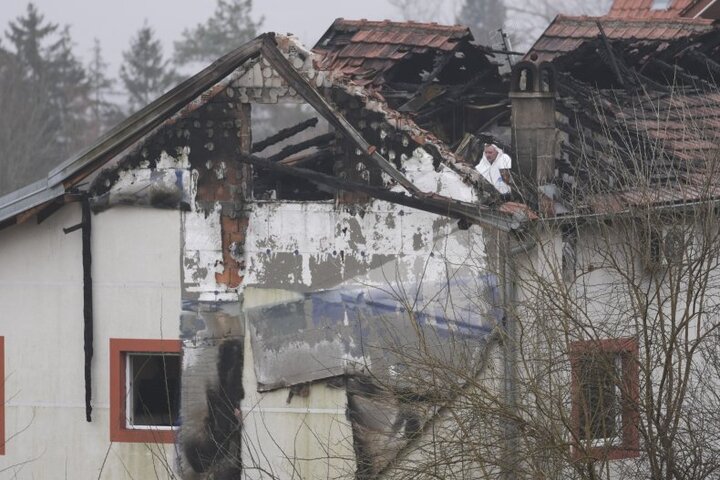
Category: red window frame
[629,445]
[119,348]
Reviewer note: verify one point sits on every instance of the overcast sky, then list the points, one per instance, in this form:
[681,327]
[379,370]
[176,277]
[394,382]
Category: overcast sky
[115,22]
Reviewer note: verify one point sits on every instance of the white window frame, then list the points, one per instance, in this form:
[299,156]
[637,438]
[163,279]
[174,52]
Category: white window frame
[129,396]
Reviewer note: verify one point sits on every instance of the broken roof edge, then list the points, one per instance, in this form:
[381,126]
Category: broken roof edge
[374,102]
[127,132]
[605,19]
[143,121]
[613,18]
[341,23]
[307,91]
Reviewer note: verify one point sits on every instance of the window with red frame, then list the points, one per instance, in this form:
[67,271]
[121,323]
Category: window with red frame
[144,390]
[605,396]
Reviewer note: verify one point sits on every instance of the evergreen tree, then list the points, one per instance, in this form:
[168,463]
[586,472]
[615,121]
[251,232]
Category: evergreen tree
[69,93]
[28,35]
[103,112]
[484,17]
[145,73]
[23,129]
[230,26]
[43,98]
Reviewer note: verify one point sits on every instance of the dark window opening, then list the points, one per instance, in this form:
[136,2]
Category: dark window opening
[600,397]
[153,390]
[605,378]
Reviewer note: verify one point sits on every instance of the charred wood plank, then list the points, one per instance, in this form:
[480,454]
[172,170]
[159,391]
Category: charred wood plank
[281,64]
[702,58]
[428,202]
[51,208]
[320,155]
[492,120]
[677,71]
[284,134]
[320,140]
[608,47]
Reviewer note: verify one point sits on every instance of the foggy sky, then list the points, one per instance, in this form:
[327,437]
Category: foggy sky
[115,22]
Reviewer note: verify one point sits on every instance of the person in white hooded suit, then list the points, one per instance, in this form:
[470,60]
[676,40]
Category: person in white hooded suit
[495,167]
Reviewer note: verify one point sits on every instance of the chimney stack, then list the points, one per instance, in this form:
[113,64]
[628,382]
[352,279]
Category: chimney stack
[532,93]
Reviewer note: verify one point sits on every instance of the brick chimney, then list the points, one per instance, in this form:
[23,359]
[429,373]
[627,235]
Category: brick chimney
[532,93]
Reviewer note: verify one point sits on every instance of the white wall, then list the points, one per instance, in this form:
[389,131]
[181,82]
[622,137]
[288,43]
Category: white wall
[136,280]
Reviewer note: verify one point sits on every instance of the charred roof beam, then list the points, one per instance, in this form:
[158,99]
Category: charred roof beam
[432,203]
[702,58]
[281,64]
[678,71]
[319,141]
[613,60]
[284,134]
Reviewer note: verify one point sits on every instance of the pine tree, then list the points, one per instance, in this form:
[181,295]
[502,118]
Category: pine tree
[103,112]
[145,73]
[484,17]
[28,35]
[43,98]
[23,150]
[230,26]
[69,92]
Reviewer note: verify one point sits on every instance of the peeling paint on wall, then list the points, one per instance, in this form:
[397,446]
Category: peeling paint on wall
[326,287]
[202,249]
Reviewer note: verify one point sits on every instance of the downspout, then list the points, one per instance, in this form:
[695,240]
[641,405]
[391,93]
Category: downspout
[86,226]
[509,274]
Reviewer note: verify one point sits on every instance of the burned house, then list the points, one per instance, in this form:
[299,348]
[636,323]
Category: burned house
[225,304]
[287,266]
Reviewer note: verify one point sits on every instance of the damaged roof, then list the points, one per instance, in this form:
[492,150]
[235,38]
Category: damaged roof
[67,175]
[427,71]
[662,9]
[565,34]
[364,49]
[655,98]
[48,194]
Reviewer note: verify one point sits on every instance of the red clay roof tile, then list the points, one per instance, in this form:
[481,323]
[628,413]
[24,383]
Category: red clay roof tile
[384,43]
[585,28]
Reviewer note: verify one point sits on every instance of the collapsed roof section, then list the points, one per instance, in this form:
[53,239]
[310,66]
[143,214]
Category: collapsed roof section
[566,33]
[372,52]
[433,73]
[639,110]
[268,69]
